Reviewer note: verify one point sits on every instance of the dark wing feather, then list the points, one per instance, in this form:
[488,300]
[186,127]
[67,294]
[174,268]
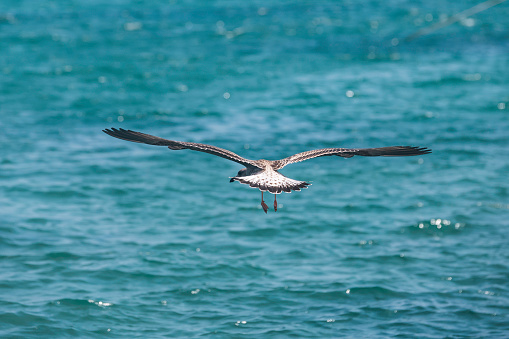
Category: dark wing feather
[176,145]
[391,151]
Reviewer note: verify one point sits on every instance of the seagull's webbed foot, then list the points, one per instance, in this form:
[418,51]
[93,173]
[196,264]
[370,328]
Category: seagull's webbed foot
[275,203]
[264,205]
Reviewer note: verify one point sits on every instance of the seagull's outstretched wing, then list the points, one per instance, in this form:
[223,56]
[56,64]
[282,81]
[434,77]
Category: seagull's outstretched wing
[391,151]
[176,145]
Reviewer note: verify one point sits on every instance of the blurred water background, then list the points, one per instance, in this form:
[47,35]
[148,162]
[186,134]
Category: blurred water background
[99,236]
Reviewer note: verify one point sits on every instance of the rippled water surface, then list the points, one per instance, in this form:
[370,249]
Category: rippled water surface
[100,236]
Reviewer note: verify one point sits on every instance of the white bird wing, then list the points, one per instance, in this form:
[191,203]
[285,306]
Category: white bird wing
[177,145]
[391,151]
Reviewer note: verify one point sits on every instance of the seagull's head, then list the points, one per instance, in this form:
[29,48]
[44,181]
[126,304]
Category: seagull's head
[242,173]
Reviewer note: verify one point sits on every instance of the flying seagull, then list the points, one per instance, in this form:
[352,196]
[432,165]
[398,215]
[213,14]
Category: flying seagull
[263,174]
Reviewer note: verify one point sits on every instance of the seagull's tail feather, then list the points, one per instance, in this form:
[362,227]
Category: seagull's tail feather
[273,182]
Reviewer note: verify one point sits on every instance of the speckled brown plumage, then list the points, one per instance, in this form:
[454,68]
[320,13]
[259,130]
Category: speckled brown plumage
[263,174]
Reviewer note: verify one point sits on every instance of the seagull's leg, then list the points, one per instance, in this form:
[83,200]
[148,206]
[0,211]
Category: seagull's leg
[275,203]
[264,205]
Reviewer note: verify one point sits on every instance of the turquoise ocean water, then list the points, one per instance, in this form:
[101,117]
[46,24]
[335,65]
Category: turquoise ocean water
[104,238]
